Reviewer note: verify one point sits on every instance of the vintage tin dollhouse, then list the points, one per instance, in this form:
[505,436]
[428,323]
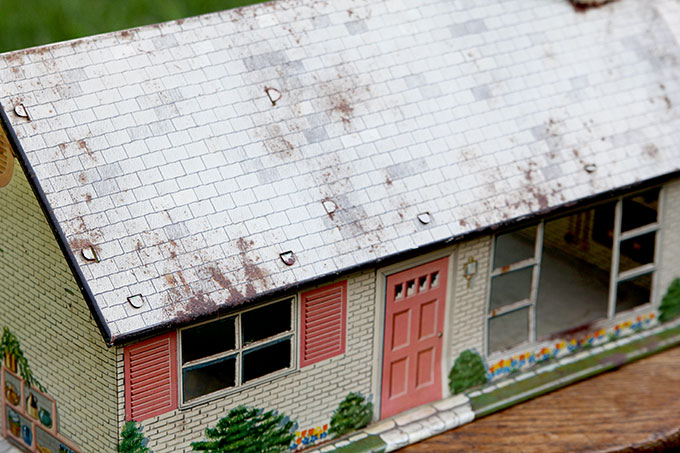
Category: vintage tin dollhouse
[278,205]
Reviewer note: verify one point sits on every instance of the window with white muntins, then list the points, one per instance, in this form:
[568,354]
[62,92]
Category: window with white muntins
[245,349]
[558,276]
[237,350]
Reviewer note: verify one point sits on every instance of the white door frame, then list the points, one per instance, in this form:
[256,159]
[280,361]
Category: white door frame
[379,319]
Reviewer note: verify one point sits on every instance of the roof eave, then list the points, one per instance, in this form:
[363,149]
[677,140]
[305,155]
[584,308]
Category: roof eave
[393,258]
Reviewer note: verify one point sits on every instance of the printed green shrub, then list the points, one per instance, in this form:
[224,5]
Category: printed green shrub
[468,371]
[248,430]
[670,304]
[9,346]
[353,413]
[132,440]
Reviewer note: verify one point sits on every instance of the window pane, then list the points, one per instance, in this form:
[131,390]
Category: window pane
[637,251]
[603,226]
[573,288]
[514,247]
[640,210]
[266,359]
[266,321]
[634,292]
[208,339]
[508,330]
[511,287]
[207,378]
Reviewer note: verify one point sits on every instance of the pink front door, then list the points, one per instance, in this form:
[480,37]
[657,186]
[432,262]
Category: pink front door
[414,323]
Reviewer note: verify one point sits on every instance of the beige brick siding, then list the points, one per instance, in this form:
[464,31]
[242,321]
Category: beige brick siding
[43,307]
[468,318]
[308,395]
[669,261]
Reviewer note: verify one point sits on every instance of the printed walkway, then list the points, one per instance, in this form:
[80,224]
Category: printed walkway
[634,408]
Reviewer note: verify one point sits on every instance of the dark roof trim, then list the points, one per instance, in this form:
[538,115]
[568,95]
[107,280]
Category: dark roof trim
[400,256]
[54,225]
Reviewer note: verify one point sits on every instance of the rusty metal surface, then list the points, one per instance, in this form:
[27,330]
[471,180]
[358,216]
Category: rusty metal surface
[190,155]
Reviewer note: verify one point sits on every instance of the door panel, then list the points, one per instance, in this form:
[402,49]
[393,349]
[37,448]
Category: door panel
[401,334]
[399,371]
[425,370]
[414,322]
[428,320]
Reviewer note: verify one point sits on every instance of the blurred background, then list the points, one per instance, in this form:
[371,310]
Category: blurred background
[31,23]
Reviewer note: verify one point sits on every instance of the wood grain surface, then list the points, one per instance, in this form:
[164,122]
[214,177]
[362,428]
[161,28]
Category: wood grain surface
[635,408]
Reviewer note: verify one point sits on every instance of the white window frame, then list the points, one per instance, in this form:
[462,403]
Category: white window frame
[238,352]
[530,303]
[615,278]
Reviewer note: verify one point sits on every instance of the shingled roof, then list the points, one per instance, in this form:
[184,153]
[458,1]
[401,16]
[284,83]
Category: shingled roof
[161,148]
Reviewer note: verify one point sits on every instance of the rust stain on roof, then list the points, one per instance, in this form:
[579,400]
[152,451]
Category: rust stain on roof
[251,270]
[343,108]
[197,305]
[279,146]
[667,100]
[220,278]
[541,198]
[172,249]
[82,144]
[176,295]
[127,34]
[235,295]
[651,150]
[80,244]
[170,279]
[532,189]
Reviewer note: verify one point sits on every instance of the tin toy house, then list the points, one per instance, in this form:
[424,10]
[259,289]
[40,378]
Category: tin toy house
[278,205]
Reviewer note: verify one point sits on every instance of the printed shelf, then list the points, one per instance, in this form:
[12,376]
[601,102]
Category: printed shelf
[30,417]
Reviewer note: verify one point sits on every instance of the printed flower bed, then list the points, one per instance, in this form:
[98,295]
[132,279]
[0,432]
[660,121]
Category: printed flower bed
[519,361]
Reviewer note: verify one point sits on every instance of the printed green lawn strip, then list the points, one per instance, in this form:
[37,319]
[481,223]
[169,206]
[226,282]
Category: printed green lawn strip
[542,383]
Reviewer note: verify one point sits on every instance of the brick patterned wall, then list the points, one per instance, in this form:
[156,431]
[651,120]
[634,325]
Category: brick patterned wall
[669,261]
[469,304]
[43,307]
[309,395]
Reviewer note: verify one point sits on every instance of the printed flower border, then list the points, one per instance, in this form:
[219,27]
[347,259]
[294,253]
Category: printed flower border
[309,436]
[519,361]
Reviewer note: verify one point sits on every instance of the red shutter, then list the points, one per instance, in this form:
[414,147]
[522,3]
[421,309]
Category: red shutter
[323,323]
[151,377]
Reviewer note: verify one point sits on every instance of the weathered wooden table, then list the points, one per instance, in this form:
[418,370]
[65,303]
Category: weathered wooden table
[635,408]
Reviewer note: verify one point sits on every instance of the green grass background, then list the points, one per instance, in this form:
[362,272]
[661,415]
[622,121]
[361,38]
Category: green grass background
[28,23]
